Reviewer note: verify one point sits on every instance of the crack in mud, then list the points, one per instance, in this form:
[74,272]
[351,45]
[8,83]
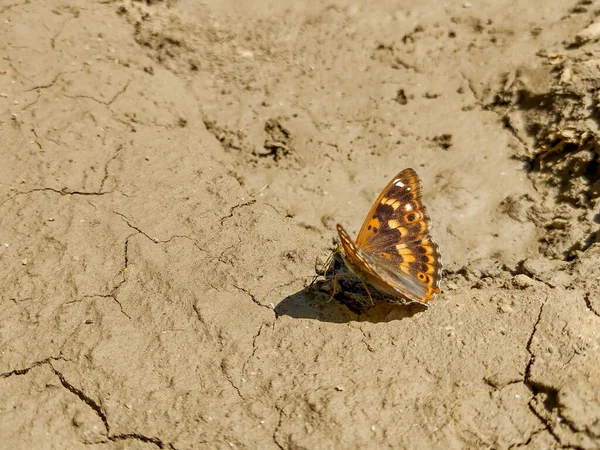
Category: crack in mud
[199,315]
[233,208]
[126,256]
[228,378]
[588,303]
[47,85]
[133,227]
[254,348]
[17,372]
[111,159]
[33,130]
[280,411]
[25,107]
[113,296]
[552,393]
[154,240]
[102,102]
[55,36]
[141,438]
[63,191]
[97,408]
[112,293]
[253,298]
[82,396]
[538,388]
[222,259]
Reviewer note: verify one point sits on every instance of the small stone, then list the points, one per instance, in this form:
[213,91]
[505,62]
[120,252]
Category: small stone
[505,307]
[592,32]
[558,223]
[522,281]
[451,285]
[566,75]
[248,54]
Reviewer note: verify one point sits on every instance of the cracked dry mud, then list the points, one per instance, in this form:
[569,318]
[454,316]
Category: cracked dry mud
[170,171]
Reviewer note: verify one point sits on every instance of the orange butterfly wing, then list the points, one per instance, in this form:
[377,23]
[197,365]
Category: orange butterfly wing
[393,248]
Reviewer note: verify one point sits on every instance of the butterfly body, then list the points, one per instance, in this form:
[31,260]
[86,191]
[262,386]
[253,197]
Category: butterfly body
[393,251]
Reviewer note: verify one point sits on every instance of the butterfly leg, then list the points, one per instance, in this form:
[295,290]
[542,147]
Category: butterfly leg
[335,277]
[335,284]
[334,287]
[368,293]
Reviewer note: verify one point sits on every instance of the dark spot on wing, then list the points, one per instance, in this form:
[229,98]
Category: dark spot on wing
[383,212]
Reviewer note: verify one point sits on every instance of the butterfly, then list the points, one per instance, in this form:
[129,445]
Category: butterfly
[393,251]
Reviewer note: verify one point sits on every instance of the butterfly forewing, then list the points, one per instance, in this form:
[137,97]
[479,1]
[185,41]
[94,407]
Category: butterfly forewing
[396,214]
[354,260]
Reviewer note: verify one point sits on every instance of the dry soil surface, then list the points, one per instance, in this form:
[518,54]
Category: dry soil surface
[171,170]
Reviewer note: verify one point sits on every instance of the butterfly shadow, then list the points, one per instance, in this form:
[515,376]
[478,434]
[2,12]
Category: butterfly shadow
[343,300]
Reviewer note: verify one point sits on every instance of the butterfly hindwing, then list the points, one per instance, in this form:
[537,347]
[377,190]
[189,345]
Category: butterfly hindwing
[414,268]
